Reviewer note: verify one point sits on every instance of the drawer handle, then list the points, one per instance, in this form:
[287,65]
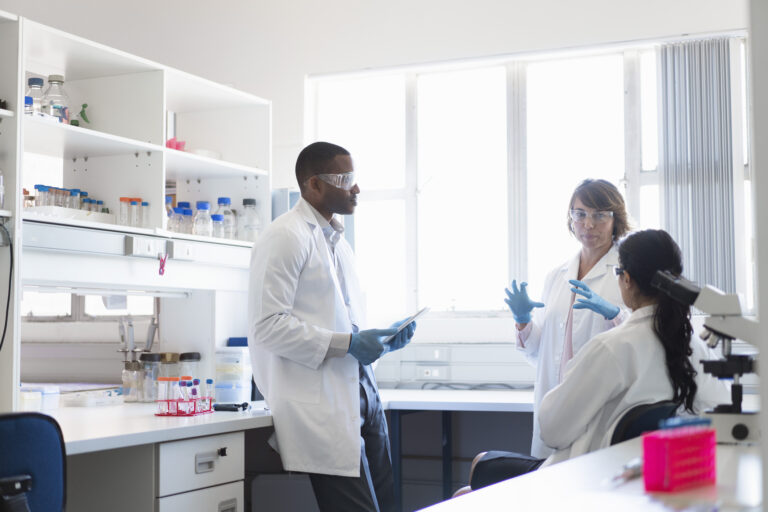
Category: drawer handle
[229,505]
[204,462]
[223,452]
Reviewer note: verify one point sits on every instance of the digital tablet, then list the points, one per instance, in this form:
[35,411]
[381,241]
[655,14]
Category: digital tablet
[408,322]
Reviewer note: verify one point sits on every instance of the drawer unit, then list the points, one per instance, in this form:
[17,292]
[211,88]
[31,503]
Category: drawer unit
[200,462]
[222,498]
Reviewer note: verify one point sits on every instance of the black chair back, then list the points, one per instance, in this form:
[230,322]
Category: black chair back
[32,463]
[642,418]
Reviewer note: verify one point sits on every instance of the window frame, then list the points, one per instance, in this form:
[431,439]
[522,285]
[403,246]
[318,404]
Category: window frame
[635,177]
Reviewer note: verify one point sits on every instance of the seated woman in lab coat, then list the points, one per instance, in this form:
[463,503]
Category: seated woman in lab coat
[648,358]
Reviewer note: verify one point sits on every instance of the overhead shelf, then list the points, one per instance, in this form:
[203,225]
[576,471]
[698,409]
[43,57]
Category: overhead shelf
[49,138]
[181,164]
[6,113]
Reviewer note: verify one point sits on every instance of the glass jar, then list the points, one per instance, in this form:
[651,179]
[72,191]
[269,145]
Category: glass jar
[35,91]
[55,99]
[132,381]
[169,364]
[189,364]
[151,365]
[249,222]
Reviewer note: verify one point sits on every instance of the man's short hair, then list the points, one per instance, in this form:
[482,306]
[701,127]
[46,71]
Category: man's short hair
[314,159]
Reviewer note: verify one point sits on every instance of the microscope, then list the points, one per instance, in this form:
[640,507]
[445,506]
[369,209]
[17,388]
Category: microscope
[724,324]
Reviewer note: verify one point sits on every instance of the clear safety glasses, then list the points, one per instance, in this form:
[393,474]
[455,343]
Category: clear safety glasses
[580,216]
[617,270]
[344,181]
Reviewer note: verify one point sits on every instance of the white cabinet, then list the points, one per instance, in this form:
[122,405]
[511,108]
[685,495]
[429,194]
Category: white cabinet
[134,107]
[203,474]
[201,462]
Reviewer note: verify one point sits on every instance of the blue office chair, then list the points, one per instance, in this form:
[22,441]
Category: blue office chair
[642,418]
[32,463]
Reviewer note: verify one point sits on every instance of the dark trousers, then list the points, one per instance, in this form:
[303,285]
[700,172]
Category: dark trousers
[374,489]
[496,466]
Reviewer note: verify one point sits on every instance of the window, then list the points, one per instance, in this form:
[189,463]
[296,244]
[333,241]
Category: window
[455,215]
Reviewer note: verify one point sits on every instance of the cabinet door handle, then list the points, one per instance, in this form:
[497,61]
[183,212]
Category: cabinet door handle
[223,452]
[205,462]
[229,505]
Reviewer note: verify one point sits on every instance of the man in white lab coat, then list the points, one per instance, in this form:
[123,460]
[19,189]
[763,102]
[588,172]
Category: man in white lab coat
[310,358]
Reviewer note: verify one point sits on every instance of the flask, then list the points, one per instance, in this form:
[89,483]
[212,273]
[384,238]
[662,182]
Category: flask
[218,225]
[35,91]
[55,100]
[229,222]
[203,223]
[250,223]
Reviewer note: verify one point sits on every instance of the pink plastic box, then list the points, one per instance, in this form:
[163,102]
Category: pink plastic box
[679,459]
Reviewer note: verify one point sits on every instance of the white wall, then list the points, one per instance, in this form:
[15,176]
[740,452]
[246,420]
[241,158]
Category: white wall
[268,47]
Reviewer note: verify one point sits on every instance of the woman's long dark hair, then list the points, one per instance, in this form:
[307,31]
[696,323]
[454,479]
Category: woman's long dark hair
[642,254]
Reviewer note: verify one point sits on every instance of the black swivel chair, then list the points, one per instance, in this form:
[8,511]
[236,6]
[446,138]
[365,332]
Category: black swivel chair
[642,418]
[32,463]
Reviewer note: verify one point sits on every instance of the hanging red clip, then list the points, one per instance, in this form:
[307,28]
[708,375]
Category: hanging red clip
[161,270]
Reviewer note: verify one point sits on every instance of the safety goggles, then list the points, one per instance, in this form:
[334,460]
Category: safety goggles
[617,270]
[344,181]
[580,216]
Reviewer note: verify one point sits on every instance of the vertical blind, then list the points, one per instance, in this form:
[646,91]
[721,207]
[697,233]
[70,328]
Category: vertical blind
[696,162]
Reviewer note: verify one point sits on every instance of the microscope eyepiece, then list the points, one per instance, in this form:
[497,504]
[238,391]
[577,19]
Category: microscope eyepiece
[679,288]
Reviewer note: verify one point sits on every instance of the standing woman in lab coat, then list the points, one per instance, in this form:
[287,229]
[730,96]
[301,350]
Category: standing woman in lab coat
[580,298]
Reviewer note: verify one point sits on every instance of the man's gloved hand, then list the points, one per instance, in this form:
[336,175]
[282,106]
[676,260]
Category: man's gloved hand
[368,345]
[519,303]
[591,300]
[403,337]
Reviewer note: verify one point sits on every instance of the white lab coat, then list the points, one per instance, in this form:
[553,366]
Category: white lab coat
[617,370]
[544,345]
[295,305]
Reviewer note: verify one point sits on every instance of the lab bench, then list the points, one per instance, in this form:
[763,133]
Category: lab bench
[123,457]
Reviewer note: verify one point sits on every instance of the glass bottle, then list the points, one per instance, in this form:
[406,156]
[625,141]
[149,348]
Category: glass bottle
[28,106]
[84,205]
[250,222]
[203,225]
[218,225]
[35,91]
[168,206]
[229,221]
[133,214]
[55,99]
[188,221]
[144,214]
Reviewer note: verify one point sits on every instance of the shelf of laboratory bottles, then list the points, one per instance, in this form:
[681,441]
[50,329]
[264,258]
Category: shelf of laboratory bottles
[46,136]
[6,113]
[182,164]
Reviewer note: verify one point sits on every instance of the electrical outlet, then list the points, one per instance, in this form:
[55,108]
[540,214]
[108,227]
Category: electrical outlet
[432,372]
[143,246]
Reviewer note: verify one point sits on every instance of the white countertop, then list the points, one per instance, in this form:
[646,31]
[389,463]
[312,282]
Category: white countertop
[90,429]
[457,400]
[584,483]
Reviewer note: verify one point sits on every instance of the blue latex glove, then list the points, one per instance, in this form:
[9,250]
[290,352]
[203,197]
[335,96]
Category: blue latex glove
[403,337]
[519,303]
[591,300]
[368,345]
